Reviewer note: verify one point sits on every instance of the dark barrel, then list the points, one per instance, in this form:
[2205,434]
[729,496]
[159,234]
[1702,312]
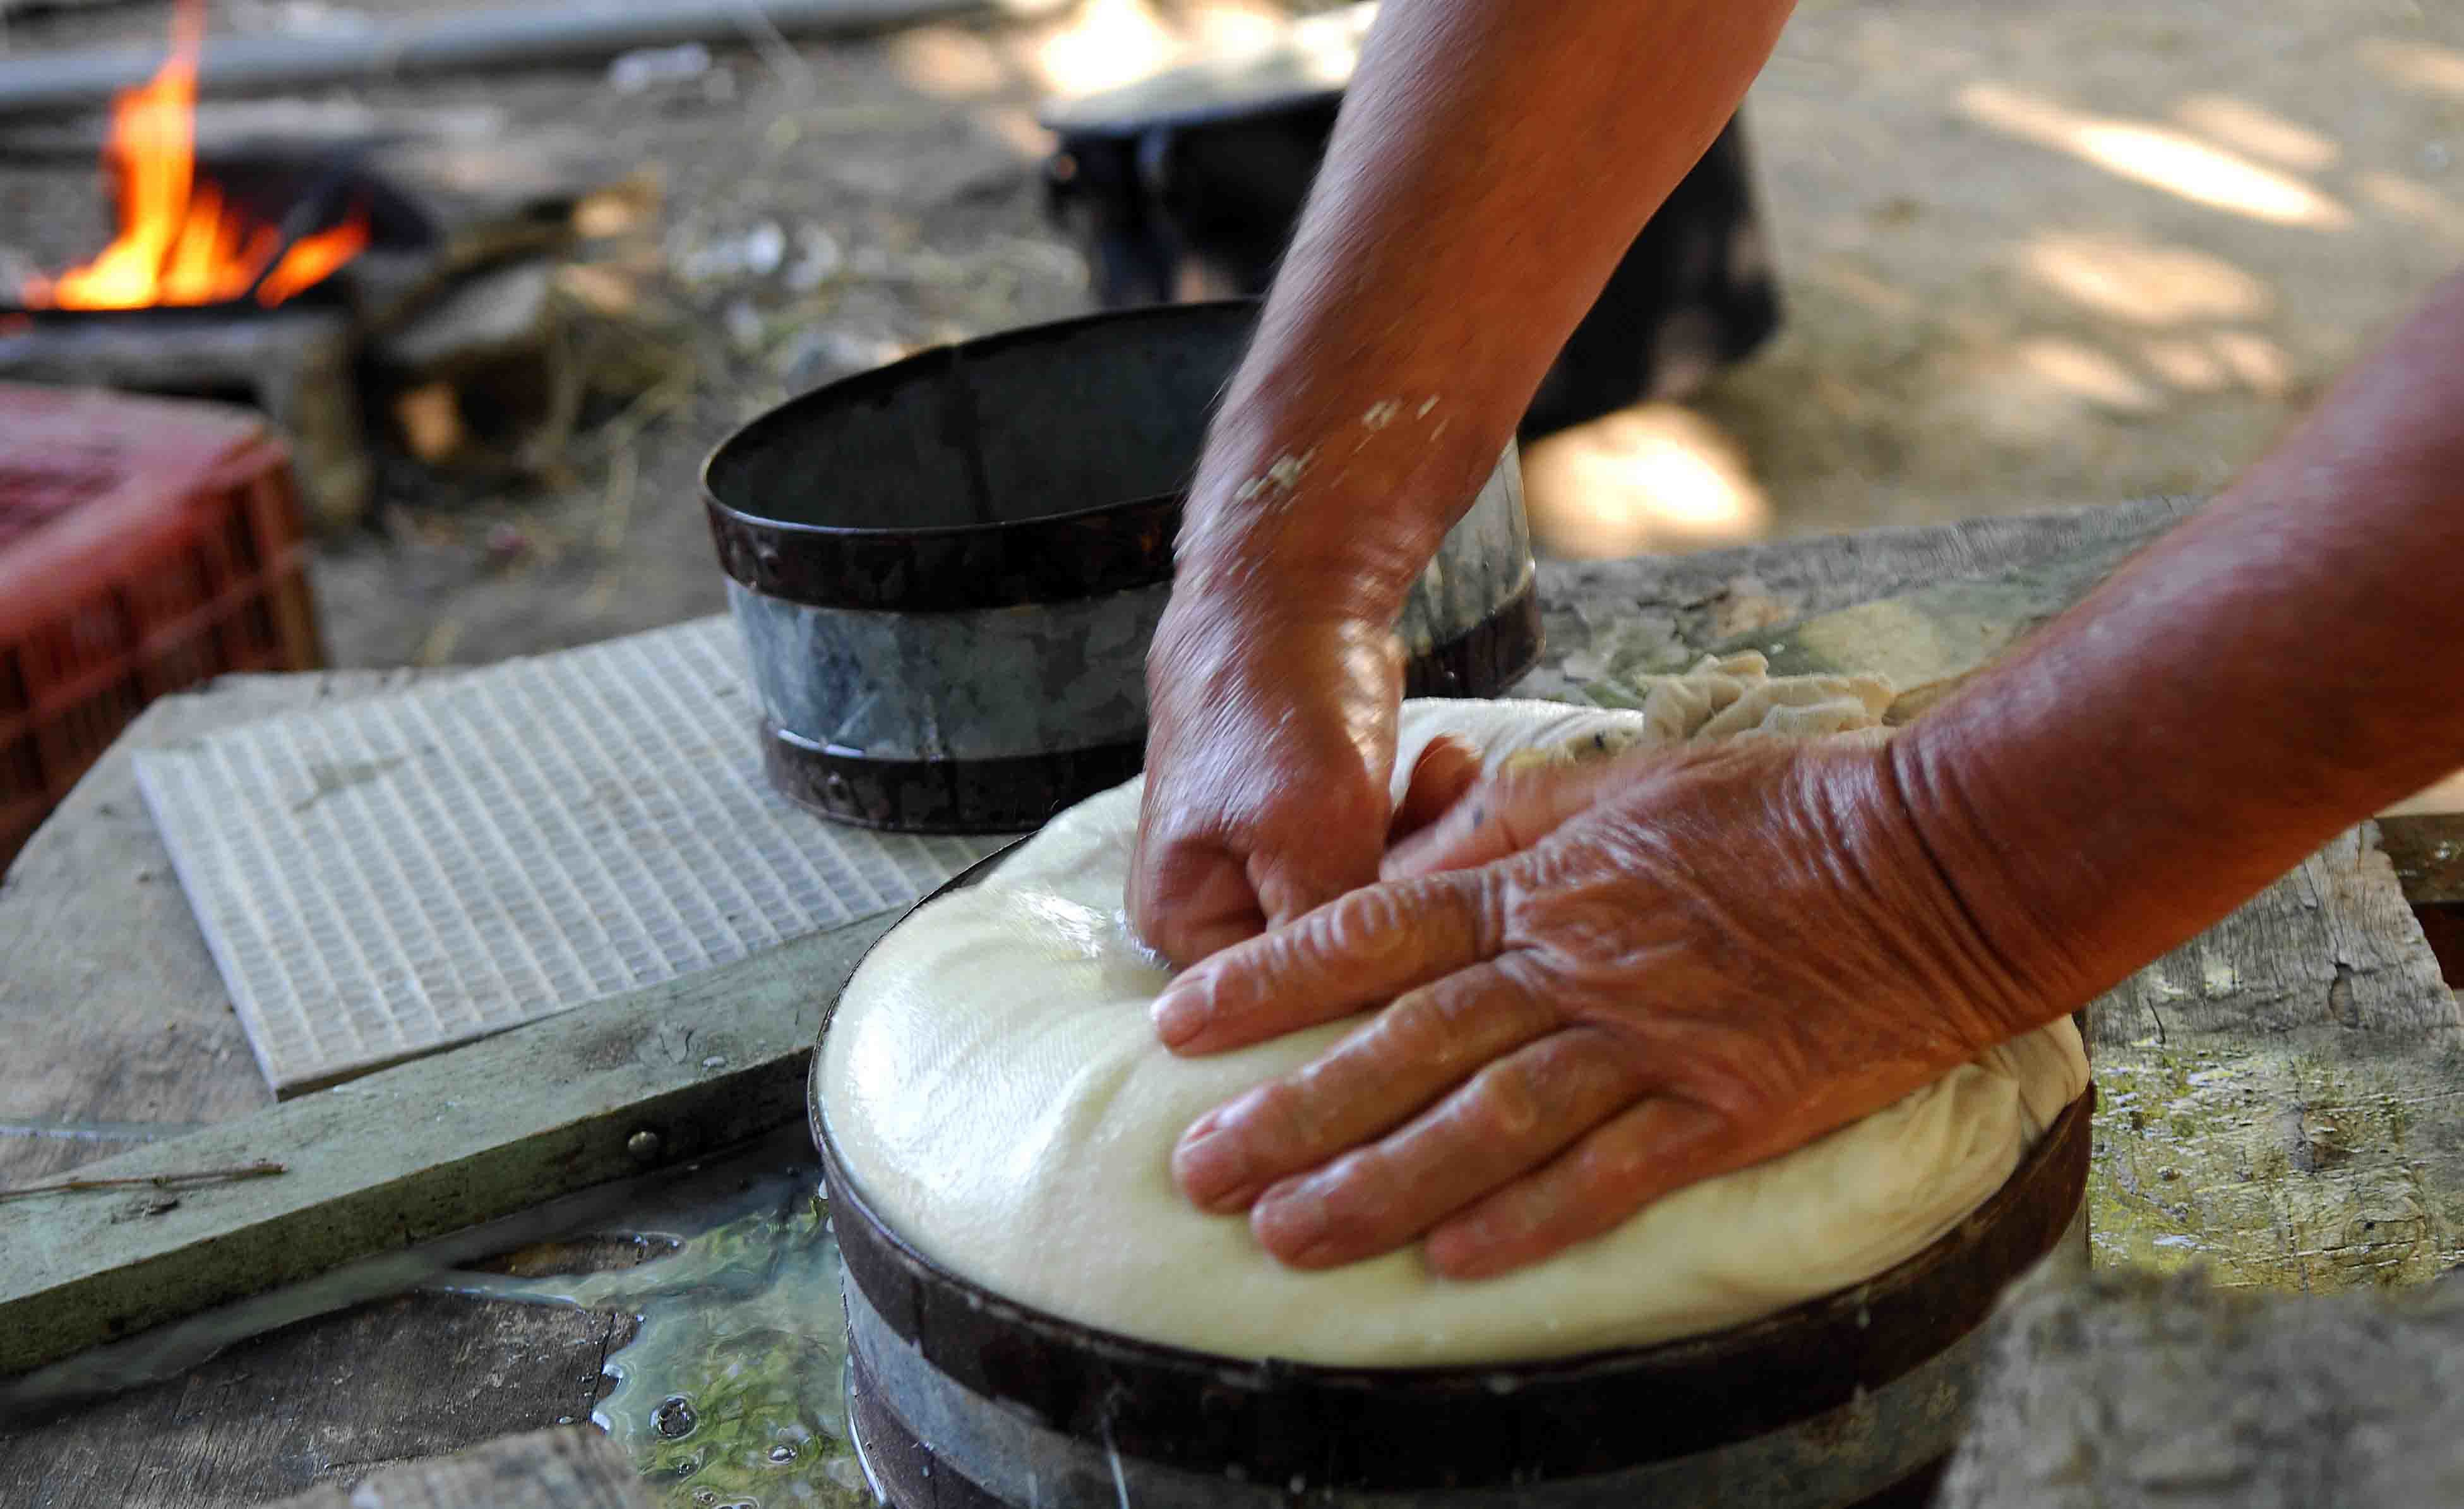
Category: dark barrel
[946,570]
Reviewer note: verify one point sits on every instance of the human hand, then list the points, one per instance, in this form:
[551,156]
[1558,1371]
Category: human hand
[1270,748]
[1592,986]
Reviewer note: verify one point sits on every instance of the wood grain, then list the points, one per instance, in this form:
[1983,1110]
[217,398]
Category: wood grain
[2135,1391]
[572,1468]
[1607,617]
[2281,1094]
[325,1401]
[654,1076]
[109,1003]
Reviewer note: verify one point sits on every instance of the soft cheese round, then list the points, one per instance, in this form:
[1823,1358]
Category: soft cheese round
[995,1089]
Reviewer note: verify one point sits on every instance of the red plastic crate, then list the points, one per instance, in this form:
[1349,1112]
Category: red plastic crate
[145,545]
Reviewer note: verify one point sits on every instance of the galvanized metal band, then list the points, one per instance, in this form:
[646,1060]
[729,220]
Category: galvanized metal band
[989,685]
[1483,566]
[1838,1458]
[1016,792]
[999,683]
[1402,1428]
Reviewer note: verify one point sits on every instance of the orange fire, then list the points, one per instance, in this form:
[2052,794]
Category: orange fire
[179,243]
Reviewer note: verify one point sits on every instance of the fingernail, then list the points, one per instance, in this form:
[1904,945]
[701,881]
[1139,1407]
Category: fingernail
[1180,1014]
[1212,1167]
[1292,1218]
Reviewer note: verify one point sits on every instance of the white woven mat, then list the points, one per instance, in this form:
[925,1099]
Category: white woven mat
[386,877]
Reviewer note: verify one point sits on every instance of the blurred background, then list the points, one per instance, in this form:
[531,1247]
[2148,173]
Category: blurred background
[2023,257]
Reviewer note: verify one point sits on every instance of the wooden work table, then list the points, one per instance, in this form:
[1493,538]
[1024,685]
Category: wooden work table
[2276,1096]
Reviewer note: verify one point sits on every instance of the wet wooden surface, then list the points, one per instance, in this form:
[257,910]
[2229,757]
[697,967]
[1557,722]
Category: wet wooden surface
[569,1468]
[325,1401]
[118,1023]
[119,1029]
[2128,1390]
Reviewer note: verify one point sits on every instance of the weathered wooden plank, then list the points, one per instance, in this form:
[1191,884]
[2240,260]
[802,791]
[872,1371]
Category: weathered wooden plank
[324,1401]
[113,1014]
[416,1151]
[2281,1096]
[106,985]
[1940,632]
[1608,618]
[573,1467]
[2130,1389]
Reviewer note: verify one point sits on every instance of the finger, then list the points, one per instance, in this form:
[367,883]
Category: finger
[1376,1079]
[1654,1150]
[1359,950]
[1511,1118]
[1190,900]
[1446,770]
[1502,816]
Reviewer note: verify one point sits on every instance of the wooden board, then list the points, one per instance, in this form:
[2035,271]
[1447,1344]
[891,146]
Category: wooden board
[2130,1390]
[1938,634]
[1603,618]
[324,1401]
[391,1158]
[116,1020]
[573,1467]
[2281,1096]
[1933,638]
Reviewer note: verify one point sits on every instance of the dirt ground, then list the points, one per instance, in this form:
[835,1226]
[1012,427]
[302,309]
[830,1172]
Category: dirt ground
[2032,256]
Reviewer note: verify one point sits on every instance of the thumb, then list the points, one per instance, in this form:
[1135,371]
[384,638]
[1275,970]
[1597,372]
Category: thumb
[1502,817]
[1193,902]
[1448,768]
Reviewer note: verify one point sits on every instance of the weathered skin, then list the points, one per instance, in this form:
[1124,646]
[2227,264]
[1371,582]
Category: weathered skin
[1491,165]
[1607,981]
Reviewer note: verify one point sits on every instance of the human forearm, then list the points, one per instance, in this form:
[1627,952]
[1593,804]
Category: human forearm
[2278,668]
[1491,165]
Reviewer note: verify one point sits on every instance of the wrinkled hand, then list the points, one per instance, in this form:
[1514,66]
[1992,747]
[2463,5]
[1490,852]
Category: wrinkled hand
[1594,984]
[1271,745]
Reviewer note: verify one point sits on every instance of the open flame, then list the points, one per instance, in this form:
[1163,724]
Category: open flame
[179,243]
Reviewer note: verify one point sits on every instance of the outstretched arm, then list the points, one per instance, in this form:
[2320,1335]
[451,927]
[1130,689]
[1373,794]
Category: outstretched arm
[1492,164]
[2282,666]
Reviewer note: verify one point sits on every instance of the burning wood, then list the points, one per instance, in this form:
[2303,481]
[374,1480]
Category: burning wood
[180,243]
[430,244]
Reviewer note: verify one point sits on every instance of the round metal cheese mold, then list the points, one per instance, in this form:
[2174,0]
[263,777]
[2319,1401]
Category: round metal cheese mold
[962,1398]
[946,571]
